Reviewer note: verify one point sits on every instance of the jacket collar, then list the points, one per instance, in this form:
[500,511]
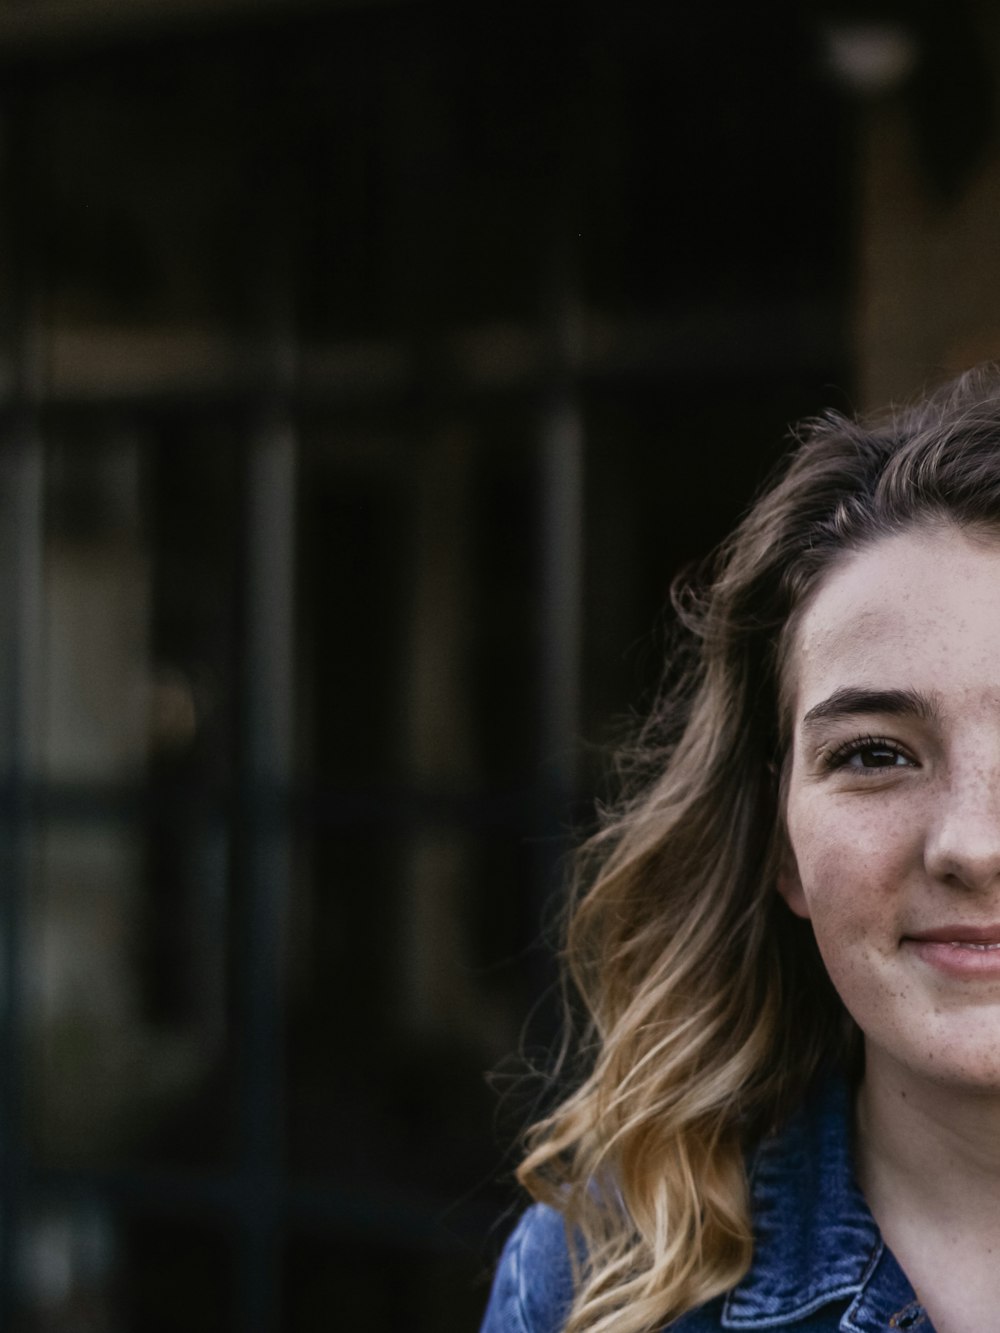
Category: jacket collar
[815,1240]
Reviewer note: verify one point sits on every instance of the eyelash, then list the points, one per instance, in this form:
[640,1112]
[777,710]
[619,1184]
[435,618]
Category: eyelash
[837,758]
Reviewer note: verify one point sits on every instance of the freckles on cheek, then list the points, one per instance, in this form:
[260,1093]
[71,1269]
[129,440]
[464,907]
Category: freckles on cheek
[851,897]
[848,868]
[839,883]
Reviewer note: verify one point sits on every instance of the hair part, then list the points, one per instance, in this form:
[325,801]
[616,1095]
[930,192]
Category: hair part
[709,1011]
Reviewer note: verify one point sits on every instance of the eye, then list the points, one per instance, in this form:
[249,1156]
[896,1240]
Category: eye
[868,753]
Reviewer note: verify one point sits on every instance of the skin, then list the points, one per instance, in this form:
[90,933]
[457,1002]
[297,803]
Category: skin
[889,838]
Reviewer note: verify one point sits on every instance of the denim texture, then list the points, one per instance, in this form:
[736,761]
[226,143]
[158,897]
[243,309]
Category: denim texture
[819,1264]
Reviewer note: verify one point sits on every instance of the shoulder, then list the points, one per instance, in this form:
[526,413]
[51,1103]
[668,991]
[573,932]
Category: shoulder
[533,1287]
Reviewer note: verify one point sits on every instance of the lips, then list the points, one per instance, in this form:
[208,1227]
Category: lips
[961,952]
[983,937]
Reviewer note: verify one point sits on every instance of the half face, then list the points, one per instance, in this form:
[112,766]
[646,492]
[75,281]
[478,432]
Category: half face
[893,798]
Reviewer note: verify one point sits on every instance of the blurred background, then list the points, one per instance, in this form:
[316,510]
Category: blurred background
[367,370]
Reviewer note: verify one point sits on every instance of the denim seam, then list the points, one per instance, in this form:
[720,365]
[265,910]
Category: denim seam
[847,1323]
[788,1316]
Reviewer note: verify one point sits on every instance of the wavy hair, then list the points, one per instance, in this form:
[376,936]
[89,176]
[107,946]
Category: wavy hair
[708,1012]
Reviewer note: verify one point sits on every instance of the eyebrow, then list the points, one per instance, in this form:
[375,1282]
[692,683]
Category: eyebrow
[852,701]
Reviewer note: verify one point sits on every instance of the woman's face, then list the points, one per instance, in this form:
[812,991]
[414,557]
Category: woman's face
[893,799]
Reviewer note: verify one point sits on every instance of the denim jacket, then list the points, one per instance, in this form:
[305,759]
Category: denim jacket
[819,1262]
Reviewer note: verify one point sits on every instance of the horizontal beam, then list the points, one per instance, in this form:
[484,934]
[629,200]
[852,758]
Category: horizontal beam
[58,27]
[119,366]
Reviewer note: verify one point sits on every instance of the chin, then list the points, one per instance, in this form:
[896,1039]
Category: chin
[957,1049]
[959,1068]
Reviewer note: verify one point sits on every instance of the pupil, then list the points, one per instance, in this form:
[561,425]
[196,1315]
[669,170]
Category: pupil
[877,758]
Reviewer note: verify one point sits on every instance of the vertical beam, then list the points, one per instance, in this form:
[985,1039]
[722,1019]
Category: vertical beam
[22,334]
[21,476]
[562,587]
[268,329]
[560,602]
[266,864]
[562,511]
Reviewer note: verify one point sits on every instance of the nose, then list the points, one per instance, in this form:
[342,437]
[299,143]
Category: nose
[963,842]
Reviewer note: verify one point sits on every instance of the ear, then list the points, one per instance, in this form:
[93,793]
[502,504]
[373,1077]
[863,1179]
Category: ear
[790,883]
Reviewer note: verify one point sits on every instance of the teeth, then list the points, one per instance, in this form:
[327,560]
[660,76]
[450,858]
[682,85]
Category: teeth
[970,944]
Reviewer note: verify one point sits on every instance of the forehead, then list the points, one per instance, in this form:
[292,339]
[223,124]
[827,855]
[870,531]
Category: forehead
[920,609]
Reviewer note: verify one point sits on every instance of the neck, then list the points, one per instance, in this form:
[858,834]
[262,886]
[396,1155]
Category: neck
[927,1151]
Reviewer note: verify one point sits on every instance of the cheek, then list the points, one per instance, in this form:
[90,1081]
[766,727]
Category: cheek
[851,863]
[854,860]
[851,914]
[843,899]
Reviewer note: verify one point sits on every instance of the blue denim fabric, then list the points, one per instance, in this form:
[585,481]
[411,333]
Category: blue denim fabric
[819,1262]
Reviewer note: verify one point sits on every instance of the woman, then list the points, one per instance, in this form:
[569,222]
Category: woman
[788,942]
